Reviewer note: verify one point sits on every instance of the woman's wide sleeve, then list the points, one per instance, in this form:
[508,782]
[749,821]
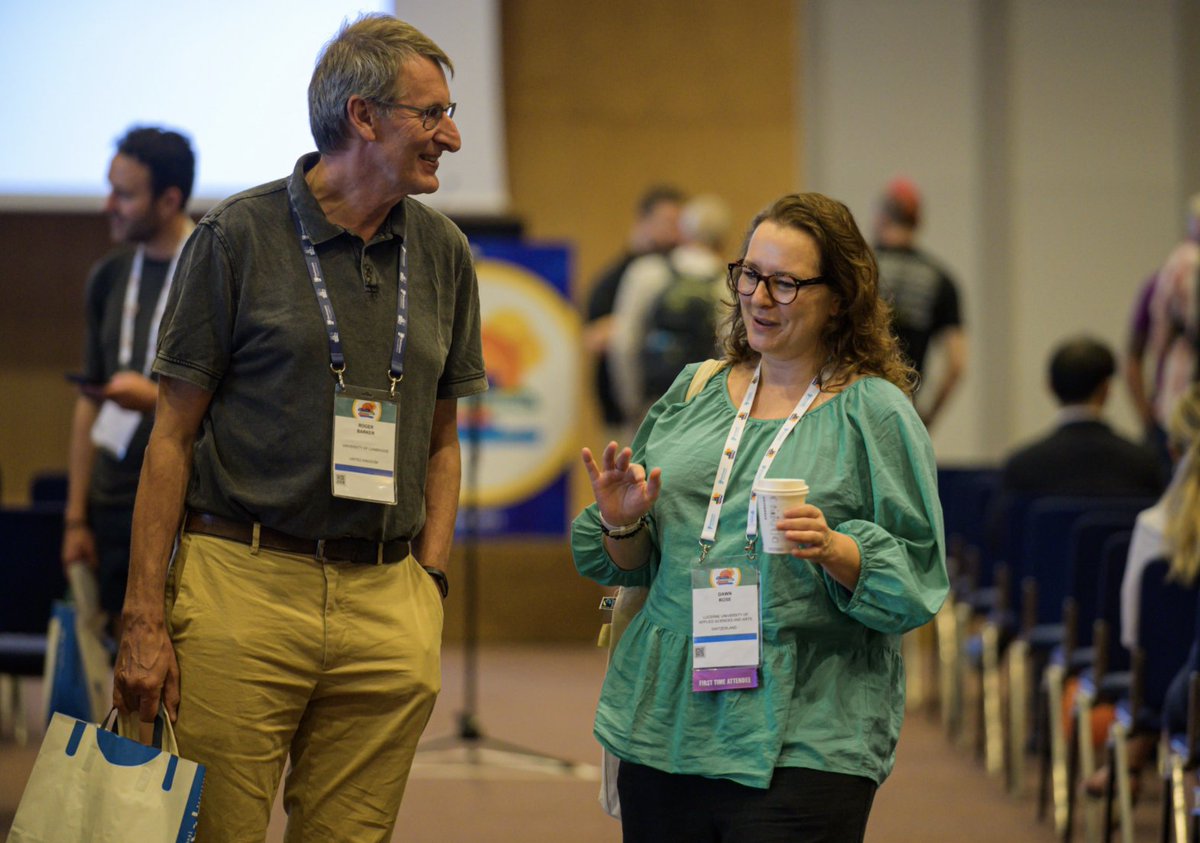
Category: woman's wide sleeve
[587,542]
[903,581]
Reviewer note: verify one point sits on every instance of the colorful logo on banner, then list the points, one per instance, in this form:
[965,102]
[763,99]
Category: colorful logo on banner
[525,425]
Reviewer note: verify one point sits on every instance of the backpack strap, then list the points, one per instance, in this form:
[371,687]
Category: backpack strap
[703,372]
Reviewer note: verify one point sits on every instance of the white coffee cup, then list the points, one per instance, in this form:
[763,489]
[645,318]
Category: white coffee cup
[775,496]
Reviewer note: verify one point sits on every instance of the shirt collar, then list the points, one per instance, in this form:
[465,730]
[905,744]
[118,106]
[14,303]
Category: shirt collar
[1075,413]
[320,229]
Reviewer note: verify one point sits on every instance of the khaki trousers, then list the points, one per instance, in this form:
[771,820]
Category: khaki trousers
[337,665]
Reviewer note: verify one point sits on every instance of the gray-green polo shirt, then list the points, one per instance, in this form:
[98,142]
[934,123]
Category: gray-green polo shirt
[243,322]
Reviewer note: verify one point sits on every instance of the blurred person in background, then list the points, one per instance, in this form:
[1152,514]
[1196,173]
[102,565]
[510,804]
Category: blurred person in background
[665,315]
[1170,528]
[151,179]
[1164,332]
[655,231]
[923,296]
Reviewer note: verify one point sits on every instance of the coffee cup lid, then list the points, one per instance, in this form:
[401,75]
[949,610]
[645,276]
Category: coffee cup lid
[780,485]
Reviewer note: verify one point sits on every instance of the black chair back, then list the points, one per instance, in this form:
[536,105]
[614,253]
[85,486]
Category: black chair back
[31,579]
[1003,544]
[961,489]
[1166,621]
[1089,535]
[49,487]
[1113,557]
[1047,536]
[966,494]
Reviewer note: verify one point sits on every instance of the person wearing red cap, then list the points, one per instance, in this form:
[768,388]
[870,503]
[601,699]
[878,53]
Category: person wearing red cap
[923,296]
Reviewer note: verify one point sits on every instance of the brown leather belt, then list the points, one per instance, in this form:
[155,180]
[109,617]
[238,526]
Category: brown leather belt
[361,551]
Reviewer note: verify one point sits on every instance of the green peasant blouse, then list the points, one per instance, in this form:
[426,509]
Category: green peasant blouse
[831,693]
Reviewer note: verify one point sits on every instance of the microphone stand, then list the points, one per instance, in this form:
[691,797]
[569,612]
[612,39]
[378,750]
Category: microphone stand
[469,746]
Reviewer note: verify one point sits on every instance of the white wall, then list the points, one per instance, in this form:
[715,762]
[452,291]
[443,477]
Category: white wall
[231,74]
[1046,137]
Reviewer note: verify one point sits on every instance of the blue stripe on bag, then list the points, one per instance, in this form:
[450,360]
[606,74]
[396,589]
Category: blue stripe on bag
[172,763]
[76,737]
[191,811]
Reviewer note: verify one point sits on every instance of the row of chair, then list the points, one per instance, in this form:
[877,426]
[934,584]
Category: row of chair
[1036,603]
[31,579]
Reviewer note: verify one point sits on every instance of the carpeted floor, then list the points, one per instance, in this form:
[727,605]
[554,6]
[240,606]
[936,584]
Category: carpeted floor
[540,700]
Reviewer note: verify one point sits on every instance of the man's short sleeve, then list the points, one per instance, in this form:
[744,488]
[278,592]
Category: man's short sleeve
[196,337]
[946,311]
[463,373]
[97,291]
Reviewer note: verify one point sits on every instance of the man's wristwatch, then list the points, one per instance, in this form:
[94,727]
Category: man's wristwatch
[439,579]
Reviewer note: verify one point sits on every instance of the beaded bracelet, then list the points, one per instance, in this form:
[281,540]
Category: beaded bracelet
[624,531]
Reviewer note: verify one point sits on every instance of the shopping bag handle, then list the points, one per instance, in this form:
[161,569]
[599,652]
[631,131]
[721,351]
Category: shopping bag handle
[126,725]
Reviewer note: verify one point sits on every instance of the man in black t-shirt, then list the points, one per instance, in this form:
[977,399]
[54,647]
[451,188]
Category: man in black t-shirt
[151,179]
[923,296]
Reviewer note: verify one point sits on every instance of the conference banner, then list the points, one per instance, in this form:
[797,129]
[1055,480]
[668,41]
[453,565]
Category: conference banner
[519,437]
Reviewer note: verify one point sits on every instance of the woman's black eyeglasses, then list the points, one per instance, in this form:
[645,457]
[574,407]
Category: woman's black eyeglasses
[782,289]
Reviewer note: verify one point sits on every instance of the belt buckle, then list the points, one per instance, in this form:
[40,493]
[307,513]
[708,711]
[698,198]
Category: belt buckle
[320,554]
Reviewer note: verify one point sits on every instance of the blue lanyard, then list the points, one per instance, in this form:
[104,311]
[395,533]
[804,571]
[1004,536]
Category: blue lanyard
[337,360]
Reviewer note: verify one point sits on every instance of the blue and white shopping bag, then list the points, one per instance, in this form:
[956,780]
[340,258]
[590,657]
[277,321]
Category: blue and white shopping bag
[91,784]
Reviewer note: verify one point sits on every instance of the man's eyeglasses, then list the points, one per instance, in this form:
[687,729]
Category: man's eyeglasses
[430,116]
[782,289]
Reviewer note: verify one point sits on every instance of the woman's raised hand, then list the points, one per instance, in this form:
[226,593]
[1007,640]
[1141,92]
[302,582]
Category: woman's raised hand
[623,489]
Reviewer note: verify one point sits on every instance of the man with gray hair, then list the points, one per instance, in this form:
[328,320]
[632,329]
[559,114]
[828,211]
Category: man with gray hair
[305,453]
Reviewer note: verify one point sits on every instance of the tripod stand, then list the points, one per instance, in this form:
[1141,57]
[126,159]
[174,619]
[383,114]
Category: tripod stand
[469,746]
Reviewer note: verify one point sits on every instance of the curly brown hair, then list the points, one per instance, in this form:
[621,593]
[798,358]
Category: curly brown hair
[858,335]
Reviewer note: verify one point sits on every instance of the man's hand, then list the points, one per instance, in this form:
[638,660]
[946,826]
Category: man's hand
[78,546]
[133,391]
[147,673]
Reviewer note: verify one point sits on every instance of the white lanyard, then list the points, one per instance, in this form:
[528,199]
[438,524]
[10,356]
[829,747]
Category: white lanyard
[129,311]
[708,535]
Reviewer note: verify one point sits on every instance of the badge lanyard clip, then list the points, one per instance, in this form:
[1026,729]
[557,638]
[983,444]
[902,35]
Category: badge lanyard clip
[337,361]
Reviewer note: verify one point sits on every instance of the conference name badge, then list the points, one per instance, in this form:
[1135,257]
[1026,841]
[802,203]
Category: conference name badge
[726,627]
[114,428]
[364,445]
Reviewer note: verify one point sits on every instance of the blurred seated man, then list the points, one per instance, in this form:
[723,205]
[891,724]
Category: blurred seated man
[1082,455]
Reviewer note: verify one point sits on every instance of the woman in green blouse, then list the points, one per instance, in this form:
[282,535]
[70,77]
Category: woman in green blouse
[815,387]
